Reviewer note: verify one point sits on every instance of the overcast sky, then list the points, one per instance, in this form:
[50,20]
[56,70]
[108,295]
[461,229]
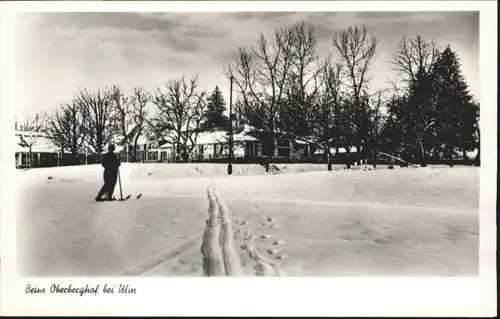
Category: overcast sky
[56,53]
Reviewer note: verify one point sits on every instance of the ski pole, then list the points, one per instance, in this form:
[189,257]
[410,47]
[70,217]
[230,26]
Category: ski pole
[120,183]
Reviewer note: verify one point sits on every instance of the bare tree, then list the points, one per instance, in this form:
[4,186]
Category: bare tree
[261,73]
[128,116]
[414,56]
[121,117]
[341,116]
[303,80]
[377,123]
[33,127]
[96,107]
[326,114]
[180,113]
[66,129]
[357,51]
[139,100]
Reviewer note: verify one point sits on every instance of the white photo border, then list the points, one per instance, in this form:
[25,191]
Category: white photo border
[331,296]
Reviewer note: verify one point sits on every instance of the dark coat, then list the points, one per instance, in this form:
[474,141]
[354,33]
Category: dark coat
[110,162]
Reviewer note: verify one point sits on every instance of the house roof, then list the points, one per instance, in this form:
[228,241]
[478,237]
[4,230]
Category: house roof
[210,138]
[304,140]
[142,140]
[39,140]
[217,137]
[244,138]
[118,149]
[30,133]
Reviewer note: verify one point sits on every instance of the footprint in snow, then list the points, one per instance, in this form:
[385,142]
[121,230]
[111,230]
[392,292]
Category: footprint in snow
[273,252]
[279,242]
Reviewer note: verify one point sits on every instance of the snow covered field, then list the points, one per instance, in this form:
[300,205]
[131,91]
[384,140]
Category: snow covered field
[194,220]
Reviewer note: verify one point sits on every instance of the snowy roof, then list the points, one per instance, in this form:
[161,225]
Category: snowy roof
[118,149]
[244,138]
[30,133]
[40,143]
[304,140]
[142,140]
[217,137]
[211,138]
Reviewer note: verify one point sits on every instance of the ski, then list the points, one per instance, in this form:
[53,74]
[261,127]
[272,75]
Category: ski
[120,200]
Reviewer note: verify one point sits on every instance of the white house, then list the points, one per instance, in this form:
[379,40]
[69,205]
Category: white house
[146,150]
[213,145]
[43,151]
[208,146]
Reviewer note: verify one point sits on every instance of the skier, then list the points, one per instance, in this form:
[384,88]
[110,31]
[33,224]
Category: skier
[111,163]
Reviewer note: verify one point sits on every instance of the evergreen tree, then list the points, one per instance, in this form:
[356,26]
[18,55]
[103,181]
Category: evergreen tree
[477,143]
[435,114]
[411,112]
[456,111]
[393,131]
[239,112]
[421,118]
[215,117]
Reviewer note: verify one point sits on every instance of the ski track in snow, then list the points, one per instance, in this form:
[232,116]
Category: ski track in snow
[232,262]
[225,259]
[219,256]
[211,250]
